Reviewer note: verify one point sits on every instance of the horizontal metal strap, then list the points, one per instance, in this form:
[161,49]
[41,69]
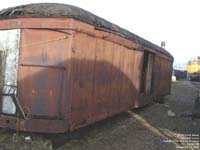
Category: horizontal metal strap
[45,66]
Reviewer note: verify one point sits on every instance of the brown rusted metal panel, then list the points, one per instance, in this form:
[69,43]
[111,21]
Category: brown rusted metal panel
[116,81]
[104,77]
[128,89]
[43,57]
[82,70]
[162,76]
[101,80]
[101,77]
[41,95]
[138,62]
[39,23]
[32,125]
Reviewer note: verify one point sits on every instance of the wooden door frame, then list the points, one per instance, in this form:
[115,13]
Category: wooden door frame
[143,87]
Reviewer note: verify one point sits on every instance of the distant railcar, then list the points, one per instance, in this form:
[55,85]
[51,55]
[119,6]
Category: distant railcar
[63,68]
[193,69]
[180,74]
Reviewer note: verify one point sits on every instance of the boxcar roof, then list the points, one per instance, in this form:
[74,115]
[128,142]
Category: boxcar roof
[54,10]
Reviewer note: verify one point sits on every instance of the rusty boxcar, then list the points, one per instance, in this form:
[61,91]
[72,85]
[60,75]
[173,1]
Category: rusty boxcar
[63,68]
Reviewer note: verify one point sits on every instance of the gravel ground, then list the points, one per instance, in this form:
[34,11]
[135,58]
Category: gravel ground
[158,126]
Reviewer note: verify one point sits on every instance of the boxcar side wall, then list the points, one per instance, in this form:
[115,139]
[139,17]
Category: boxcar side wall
[76,80]
[106,75]
[104,79]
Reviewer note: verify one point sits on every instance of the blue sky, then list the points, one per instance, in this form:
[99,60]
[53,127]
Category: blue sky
[174,21]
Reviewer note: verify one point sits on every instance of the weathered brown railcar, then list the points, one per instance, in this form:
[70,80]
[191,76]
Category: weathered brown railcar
[66,68]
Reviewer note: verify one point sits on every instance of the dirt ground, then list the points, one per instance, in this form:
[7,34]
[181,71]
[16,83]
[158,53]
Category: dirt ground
[167,125]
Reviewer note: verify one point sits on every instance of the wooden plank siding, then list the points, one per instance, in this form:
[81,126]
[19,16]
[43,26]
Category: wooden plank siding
[162,76]
[105,79]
